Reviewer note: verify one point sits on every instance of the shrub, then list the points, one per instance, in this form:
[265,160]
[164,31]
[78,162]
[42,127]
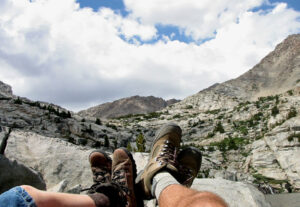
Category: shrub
[230,143]
[176,116]
[97,144]
[243,130]
[111,126]
[275,111]
[83,120]
[219,128]
[98,121]
[213,111]
[290,92]
[292,136]
[292,113]
[106,142]
[18,101]
[129,147]
[82,141]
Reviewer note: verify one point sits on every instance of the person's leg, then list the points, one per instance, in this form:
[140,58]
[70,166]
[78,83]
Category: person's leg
[180,196]
[166,171]
[49,199]
[169,192]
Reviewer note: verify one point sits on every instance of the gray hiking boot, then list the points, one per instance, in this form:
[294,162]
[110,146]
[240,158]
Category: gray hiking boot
[189,163]
[124,174]
[101,168]
[162,157]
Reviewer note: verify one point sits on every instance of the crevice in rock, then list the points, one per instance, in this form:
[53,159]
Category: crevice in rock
[4,142]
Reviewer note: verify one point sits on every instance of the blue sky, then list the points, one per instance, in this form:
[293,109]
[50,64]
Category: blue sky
[55,51]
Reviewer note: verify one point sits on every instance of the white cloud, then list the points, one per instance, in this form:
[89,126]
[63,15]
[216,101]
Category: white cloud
[200,19]
[54,51]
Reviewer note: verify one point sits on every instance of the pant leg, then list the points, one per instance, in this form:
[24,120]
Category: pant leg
[16,197]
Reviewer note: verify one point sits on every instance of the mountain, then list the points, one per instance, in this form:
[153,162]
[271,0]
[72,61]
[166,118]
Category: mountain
[126,106]
[278,72]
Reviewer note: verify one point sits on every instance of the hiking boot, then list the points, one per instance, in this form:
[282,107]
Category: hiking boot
[124,174]
[189,162]
[101,168]
[162,157]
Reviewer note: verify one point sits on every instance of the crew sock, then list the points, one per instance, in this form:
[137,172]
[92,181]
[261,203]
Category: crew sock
[160,182]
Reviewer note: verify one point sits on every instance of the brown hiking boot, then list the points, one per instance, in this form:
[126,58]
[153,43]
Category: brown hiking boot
[124,174]
[189,162]
[162,157]
[101,168]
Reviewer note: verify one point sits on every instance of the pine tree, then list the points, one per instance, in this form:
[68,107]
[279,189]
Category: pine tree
[140,143]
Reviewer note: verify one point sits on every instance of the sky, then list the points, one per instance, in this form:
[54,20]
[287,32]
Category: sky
[81,53]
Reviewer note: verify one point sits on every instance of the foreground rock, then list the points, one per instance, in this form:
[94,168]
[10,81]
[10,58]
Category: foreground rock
[55,159]
[14,174]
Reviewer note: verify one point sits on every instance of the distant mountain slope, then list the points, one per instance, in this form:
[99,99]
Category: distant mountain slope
[125,106]
[277,72]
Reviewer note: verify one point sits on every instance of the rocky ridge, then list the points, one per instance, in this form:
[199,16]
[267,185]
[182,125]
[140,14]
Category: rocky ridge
[125,106]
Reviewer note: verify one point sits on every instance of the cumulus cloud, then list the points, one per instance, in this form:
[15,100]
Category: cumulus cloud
[55,51]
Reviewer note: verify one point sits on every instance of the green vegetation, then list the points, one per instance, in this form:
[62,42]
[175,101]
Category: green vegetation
[216,111]
[290,92]
[274,111]
[219,128]
[176,116]
[292,136]
[292,113]
[138,117]
[82,141]
[129,147]
[18,101]
[189,107]
[259,178]
[88,130]
[98,121]
[230,144]
[111,126]
[106,142]
[140,143]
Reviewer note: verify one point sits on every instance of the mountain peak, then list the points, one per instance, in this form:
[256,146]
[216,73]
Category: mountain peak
[278,72]
[130,105]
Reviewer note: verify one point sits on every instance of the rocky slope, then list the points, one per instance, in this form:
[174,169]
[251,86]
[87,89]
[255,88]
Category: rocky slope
[276,73]
[125,106]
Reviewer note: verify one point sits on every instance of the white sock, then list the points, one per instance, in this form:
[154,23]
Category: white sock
[160,182]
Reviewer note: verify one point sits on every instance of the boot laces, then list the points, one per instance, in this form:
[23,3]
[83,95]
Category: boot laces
[119,177]
[100,176]
[167,154]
